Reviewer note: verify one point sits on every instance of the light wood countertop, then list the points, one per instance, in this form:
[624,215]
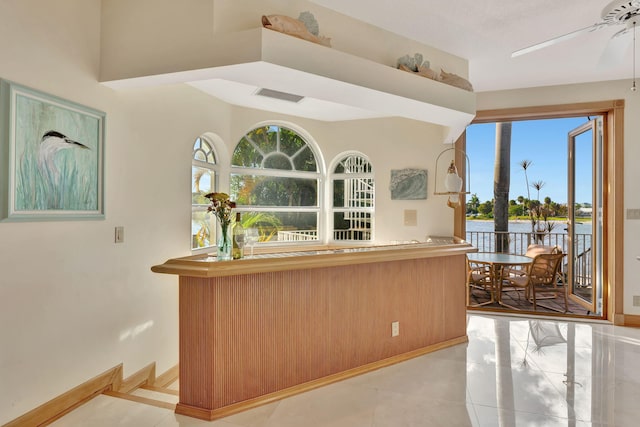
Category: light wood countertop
[206,265]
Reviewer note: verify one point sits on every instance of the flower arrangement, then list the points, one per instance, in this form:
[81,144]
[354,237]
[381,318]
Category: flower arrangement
[221,206]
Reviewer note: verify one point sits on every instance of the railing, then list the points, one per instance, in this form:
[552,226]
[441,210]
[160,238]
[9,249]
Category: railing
[518,242]
[583,269]
[297,235]
[352,234]
[306,235]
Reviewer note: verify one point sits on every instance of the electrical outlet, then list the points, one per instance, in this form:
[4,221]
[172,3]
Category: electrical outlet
[119,235]
[636,300]
[395,329]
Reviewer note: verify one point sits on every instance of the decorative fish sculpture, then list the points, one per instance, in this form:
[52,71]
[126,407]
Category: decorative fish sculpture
[293,27]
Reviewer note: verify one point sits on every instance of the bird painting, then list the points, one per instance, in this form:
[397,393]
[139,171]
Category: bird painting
[51,142]
[56,157]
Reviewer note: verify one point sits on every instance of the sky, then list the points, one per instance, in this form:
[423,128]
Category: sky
[545,144]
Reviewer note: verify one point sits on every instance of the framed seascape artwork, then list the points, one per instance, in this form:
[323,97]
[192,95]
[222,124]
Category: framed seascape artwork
[51,157]
[408,184]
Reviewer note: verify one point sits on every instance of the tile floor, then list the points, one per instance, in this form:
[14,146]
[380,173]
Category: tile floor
[513,372]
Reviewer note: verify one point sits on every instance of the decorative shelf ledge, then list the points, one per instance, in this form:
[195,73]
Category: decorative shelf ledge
[264,58]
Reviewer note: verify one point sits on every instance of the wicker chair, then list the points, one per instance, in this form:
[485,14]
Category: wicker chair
[532,251]
[541,276]
[480,276]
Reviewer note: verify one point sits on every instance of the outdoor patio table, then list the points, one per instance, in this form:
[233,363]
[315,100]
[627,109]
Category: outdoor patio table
[498,261]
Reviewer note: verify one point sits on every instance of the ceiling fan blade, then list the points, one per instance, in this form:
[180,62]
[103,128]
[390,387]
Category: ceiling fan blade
[616,48]
[558,39]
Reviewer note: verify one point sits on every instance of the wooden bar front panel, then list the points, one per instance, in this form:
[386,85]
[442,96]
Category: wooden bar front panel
[246,336]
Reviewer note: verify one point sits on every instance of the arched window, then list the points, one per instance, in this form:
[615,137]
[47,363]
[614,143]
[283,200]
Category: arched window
[204,168]
[353,198]
[275,180]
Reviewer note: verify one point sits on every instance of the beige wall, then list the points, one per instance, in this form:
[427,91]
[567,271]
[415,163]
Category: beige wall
[73,303]
[588,93]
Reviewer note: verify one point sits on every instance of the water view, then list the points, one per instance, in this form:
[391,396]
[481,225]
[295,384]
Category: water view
[520,226]
[481,234]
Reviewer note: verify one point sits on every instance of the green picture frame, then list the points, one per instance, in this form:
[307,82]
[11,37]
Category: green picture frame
[51,157]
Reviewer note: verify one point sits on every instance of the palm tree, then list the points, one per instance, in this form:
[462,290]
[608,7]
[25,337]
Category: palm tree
[538,186]
[521,200]
[501,184]
[473,204]
[524,164]
[267,224]
[539,210]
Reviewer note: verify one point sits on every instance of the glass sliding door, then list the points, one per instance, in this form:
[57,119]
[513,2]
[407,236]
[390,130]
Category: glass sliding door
[584,252]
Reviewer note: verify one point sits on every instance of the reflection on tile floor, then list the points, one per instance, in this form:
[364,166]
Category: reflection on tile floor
[513,372]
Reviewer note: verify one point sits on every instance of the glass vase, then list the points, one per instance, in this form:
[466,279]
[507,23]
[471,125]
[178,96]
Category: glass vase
[224,243]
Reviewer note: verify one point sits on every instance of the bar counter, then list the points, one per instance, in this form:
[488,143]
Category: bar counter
[259,329]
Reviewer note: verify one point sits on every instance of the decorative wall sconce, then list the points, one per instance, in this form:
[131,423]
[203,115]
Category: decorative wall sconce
[452,184]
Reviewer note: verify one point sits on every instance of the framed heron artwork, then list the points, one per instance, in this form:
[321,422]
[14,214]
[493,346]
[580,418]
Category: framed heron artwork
[51,157]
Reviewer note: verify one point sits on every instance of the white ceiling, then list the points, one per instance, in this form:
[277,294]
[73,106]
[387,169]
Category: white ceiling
[238,93]
[486,32]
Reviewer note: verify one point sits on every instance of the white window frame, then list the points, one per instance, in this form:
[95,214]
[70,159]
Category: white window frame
[217,167]
[346,177]
[319,176]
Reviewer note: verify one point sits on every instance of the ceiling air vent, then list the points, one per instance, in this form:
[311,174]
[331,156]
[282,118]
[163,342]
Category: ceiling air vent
[284,96]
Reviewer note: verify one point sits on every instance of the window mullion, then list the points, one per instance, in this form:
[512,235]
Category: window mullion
[237,170]
[268,185]
[354,220]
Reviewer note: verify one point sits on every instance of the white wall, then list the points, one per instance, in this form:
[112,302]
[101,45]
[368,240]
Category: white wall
[148,37]
[347,34]
[588,93]
[74,304]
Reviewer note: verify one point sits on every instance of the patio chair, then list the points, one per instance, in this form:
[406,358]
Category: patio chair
[532,251]
[542,277]
[480,276]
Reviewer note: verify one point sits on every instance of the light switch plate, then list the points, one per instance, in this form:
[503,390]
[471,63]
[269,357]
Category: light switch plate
[410,217]
[119,235]
[633,213]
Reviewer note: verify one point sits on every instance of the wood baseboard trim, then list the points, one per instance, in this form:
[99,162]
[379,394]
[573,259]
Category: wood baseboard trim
[213,414]
[110,381]
[632,320]
[66,402]
[161,390]
[167,378]
[140,399]
[146,375]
